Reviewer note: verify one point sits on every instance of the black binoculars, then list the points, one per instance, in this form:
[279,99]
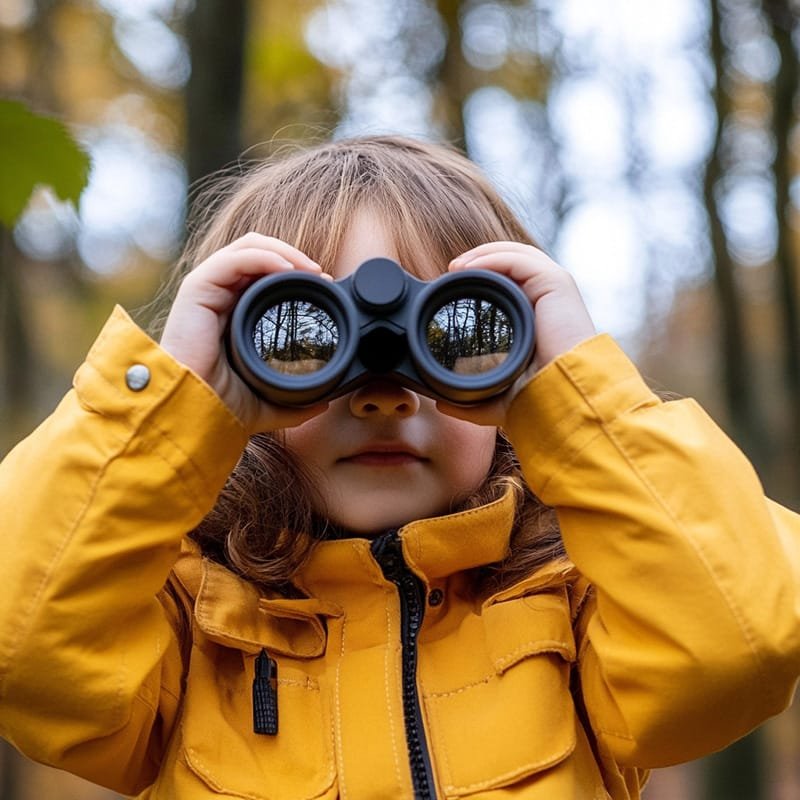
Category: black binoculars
[296,338]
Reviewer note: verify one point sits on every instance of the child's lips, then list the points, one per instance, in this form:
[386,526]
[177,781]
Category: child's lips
[384,456]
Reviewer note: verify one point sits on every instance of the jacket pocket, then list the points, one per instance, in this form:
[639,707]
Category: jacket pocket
[221,748]
[518,719]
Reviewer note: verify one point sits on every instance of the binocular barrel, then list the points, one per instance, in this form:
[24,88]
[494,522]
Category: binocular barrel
[295,338]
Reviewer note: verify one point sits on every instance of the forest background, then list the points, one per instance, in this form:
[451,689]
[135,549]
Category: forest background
[652,148]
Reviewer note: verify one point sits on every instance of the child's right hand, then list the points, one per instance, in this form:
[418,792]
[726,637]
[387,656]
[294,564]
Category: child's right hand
[195,327]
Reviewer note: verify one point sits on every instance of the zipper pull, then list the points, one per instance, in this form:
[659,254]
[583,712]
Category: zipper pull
[265,695]
[388,552]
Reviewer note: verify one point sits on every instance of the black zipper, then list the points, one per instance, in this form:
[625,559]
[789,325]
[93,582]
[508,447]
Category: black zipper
[388,552]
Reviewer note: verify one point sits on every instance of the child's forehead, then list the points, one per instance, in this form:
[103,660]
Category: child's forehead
[371,233]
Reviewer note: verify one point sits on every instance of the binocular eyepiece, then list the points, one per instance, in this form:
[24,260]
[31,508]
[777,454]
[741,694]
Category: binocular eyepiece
[295,338]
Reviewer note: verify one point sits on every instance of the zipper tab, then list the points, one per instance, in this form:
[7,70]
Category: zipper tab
[265,695]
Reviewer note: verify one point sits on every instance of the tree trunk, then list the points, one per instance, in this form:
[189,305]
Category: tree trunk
[737,771]
[783,23]
[452,77]
[735,352]
[17,362]
[216,37]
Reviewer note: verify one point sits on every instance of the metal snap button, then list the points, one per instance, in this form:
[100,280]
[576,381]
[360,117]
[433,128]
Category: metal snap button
[435,597]
[137,377]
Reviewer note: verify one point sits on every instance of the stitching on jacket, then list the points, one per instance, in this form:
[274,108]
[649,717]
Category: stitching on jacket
[386,653]
[166,690]
[309,683]
[461,689]
[367,562]
[564,465]
[511,657]
[531,766]
[732,607]
[58,553]
[606,428]
[616,734]
[160,396]
[459,514]
[209,628]
[442,740]
[145,697]
[338,721]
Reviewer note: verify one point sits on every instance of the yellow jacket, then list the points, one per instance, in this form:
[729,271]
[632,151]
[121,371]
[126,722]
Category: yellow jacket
[689,637]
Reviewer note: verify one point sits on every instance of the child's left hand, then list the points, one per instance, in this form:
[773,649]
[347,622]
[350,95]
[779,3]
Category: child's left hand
[562,320]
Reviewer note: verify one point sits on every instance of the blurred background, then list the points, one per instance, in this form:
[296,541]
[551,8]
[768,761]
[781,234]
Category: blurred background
[651,147]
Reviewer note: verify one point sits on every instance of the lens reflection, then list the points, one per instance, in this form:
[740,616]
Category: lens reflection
[470,336]
[296,337]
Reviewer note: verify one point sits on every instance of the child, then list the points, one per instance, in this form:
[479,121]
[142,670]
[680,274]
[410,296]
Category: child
[207,595]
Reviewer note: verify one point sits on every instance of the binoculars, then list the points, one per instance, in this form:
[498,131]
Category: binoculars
[295,338]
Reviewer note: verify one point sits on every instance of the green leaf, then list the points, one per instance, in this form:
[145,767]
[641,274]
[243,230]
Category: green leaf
[36,150]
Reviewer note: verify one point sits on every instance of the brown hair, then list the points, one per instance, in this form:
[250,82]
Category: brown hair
[438,204]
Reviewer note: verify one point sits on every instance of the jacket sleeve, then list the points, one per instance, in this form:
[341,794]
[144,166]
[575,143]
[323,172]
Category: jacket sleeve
[93,506]
[693,635]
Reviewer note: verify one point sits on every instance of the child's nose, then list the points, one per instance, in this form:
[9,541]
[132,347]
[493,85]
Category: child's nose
[383,397]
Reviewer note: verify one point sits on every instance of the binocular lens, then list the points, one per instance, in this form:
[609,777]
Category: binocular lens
[469,336]
[295,337]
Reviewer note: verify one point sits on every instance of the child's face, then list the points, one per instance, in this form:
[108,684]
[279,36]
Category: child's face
[384,455]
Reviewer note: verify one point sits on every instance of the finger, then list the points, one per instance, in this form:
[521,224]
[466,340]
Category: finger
[259,241]
[536,276]
[227,268]
[273,418]
[516,256]
[494,247]
[491,412]
[517,265]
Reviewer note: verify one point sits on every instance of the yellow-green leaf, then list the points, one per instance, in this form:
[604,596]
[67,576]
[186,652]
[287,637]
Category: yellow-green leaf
[36,150]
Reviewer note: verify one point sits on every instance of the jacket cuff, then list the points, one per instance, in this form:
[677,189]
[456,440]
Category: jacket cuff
[143,391]
[567,404]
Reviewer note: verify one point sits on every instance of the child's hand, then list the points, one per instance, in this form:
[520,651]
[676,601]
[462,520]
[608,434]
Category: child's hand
[196,324]
[562,320]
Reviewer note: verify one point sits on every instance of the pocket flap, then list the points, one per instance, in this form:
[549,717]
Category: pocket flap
[231,612]
[519,719]
[536,623]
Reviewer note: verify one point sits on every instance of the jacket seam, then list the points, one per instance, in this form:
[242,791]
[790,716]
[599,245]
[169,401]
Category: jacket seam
[515,773]
[338,719]
[387,652]
[573,457]
[147,419]
[24,630]
[698,549]
[605,429]
[123,445]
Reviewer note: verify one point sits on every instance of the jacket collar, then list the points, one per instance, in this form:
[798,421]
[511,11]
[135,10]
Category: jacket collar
[433,548]
[232,611]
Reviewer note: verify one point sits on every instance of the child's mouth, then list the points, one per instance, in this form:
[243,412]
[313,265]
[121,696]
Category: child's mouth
[390,454]
[378,458]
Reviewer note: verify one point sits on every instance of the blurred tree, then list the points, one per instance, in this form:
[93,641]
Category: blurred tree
[517,68]
[453,76]
[782,23]
[735,347]
[289,93]
[216,37]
